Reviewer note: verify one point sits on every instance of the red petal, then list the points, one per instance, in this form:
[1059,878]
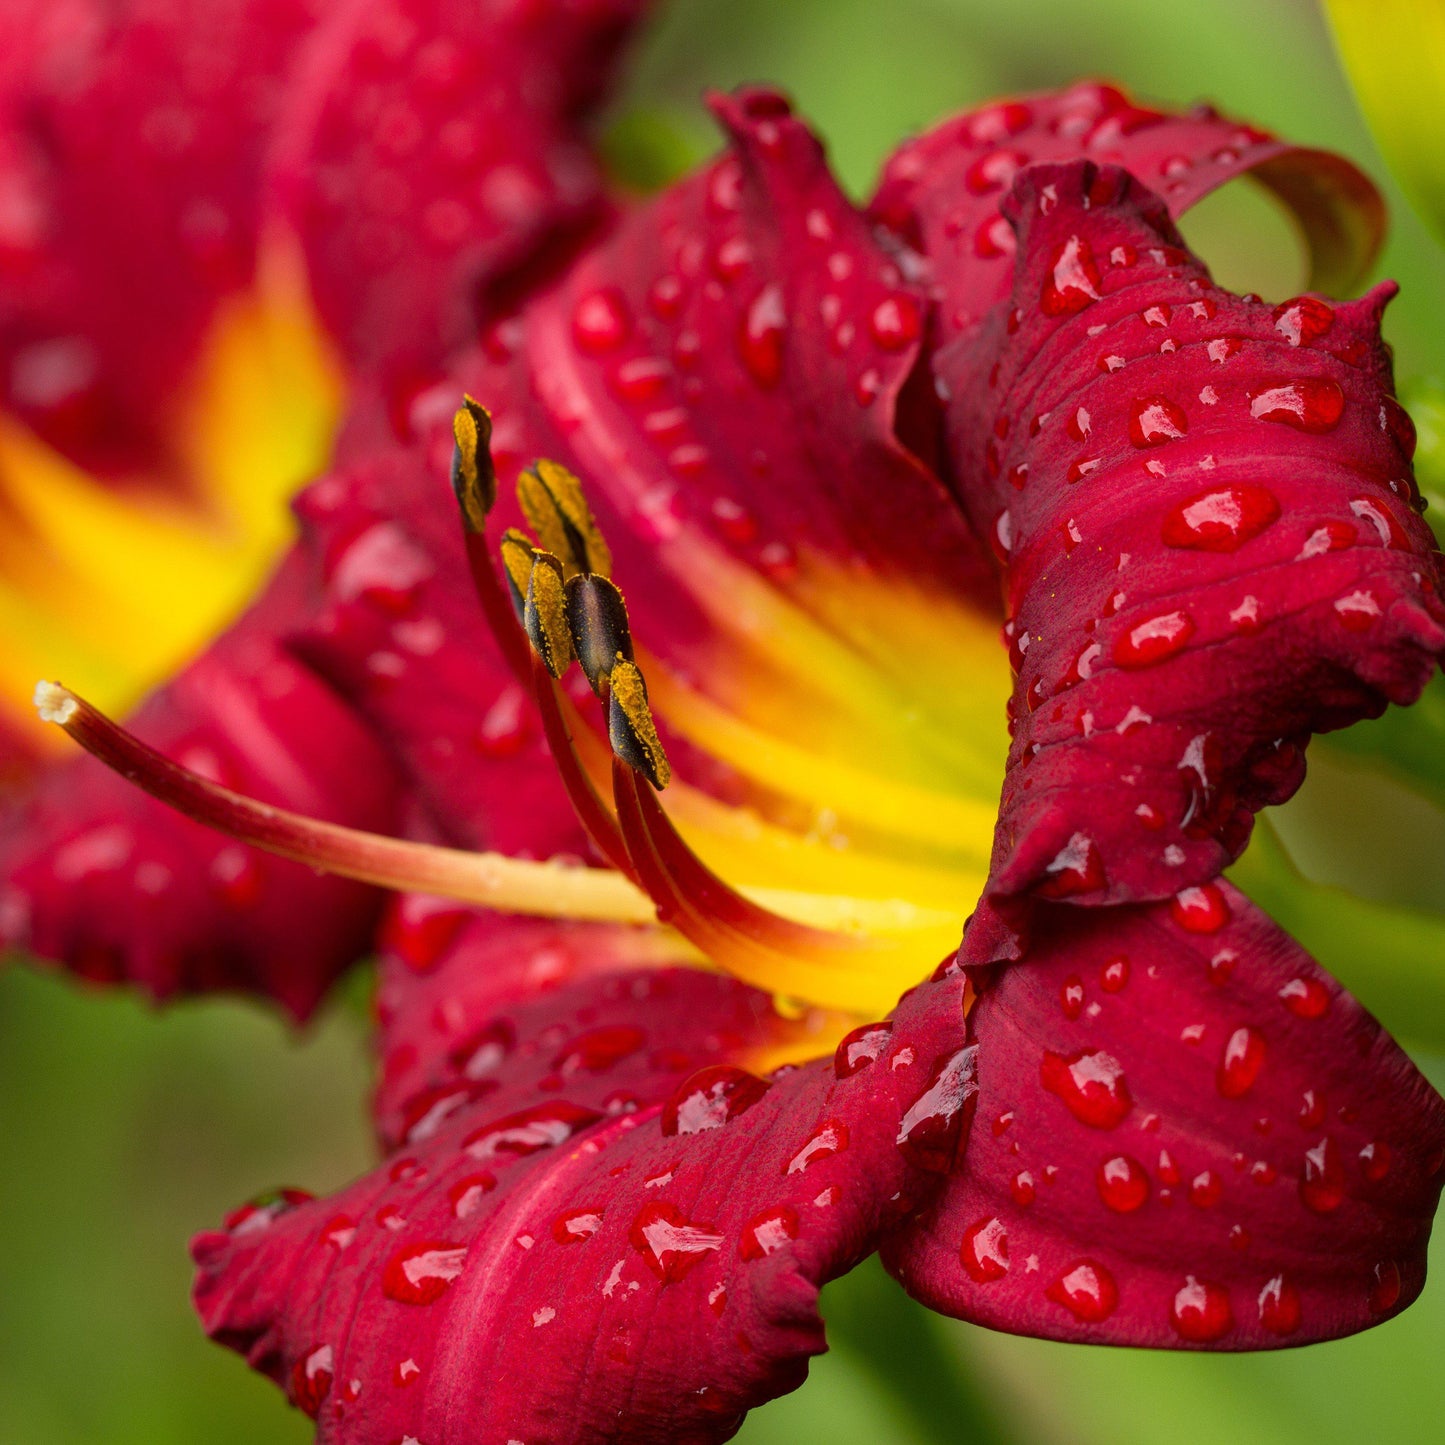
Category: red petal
[943,191]
[491,1283]
[131,143]
[726,373]
[96,874]
[427,148]
[1183,1138]
[1216,550]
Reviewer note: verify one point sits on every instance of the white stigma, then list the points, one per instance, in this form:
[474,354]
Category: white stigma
[54,703]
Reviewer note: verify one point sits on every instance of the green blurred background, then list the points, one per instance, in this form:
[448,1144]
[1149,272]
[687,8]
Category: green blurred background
[122,1130]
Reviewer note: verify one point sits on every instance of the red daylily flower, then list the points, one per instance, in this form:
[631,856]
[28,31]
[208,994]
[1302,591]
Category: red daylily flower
[626,1139]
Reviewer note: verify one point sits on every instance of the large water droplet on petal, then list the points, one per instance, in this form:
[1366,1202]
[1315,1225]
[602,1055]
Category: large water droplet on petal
[1073,281]
[1222,520]
[984,1252]
[1312,405]
[710,1098]
[1200,1311]
[670,1243]
[420,1274]
[1087,1290]
[1092,1085]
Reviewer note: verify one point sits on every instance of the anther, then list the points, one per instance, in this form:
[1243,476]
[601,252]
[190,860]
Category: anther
[597,619]
[474,479]
[553,502]
[518,558]
[545,614]
[630,727]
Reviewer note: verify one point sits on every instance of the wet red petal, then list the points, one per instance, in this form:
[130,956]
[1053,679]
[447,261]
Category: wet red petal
[934,193]
[1240,564]
[609,1236]
[1178,1196]
[132,141]
[117,887]
[427,148]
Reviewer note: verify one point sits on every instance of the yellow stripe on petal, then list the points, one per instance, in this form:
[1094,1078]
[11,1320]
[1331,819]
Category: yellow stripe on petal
[117,585]
[1394,53]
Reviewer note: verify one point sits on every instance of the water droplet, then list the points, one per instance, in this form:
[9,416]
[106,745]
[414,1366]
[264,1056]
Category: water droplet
[761,337]
[1375,1160]
[1071,996]
[665,297]
[1092,1085]
[710,1098]
[575,1225]
[1244,1055]
[1279,1306]
[768,1232]
[895,322]
[1222,520]
[1023,1189]
[1123,1183]
[542,1126]
[1080,425]
[1303,320]
[984,1253]
[1306,997]
[1153,640]
[420,928]
[1357,611]
[1311,405]
[262,1211]
[641,380]
[1073,281]
[1385,1290]
[1322,1182]
[420,1274]
[311,1379]
[1205,1189]
[1087,1290]
[601,321]
[671,1244]
[1076,868]
[599,1050]
[829,1138]
[466,1194]
[484,1051]
[1154,420]
[1200,910]
[860,1048]
[932,1130]
[1114,975]
[1200,1311]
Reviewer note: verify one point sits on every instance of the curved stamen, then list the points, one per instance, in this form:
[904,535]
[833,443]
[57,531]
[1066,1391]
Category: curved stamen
[488,880]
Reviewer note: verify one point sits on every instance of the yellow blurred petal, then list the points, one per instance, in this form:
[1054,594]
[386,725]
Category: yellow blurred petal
[1394,53]
[113,587]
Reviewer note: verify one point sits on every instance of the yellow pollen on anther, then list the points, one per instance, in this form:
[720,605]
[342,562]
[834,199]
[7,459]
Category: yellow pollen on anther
[630,724]
[545,614]
[474,480]
[553,502]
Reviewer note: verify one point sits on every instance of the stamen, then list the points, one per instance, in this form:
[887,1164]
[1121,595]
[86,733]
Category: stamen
[474,479]
[747,940]
[630,726]
[545,614]
[567,739]
[553,502]
[488,880]
[601,636]
[518,555]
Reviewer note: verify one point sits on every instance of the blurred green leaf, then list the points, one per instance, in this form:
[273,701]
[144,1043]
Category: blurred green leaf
[1392,959]
[1394,52]
[890,1375]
